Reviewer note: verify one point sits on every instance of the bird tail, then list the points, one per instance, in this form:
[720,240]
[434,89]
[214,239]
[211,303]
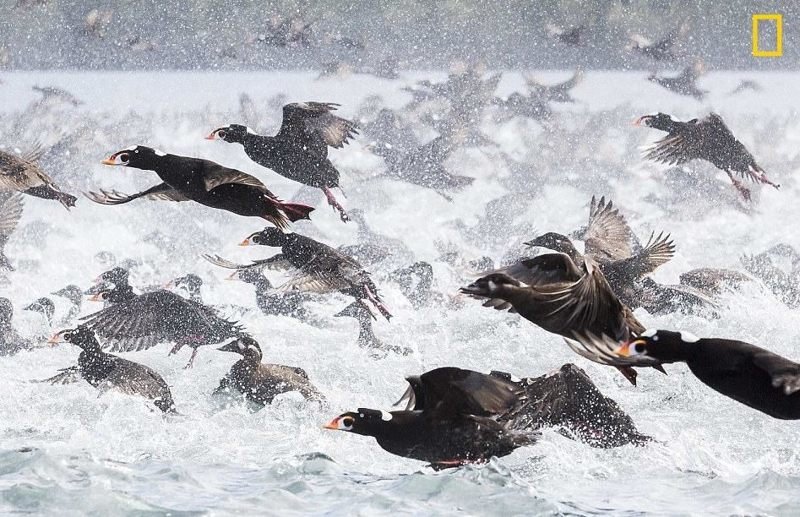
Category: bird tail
[296,211]
[68,200]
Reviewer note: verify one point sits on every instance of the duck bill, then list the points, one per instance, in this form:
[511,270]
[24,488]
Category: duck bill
[97,297]
[624,350]
[56,339]
[333,424]
[213,135]
[639,121]
[116,159]
[245,242]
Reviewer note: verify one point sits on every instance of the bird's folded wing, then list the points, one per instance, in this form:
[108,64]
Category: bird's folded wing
[785,374]
[216,177]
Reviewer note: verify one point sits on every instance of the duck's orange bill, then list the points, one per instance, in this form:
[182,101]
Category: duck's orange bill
[108,161]
[55,339]
[245,242]
[333,424]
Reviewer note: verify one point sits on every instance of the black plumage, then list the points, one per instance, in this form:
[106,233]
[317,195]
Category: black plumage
[260,382]
[450,419]
[319,268]
[706,139]
[109,372]
[756,377]
[203,181]
[568,400]
[138,322]
[300,149]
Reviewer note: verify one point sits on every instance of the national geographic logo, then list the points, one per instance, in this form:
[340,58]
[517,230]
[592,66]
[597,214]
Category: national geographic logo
[767,20]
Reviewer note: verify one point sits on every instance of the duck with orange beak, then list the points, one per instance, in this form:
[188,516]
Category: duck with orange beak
[109,372]
[450,419]
[203,181]
[299,151]
[756,377]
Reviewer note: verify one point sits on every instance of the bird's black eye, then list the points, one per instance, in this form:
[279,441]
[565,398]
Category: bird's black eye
[638,348]
[125,157]
[221,134]
[348,421]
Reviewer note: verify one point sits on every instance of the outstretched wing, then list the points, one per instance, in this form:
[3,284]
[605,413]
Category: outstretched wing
[678,147]
[277,262]
[157,317]
[608,236]
[162,191]
[313,124]
[10,213]
[658,251]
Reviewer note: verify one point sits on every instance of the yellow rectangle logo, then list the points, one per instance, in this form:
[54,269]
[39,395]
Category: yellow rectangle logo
[778,19]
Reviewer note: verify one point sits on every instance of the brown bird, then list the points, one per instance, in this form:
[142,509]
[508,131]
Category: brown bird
[562,297]
[10,213]
[260,382]
[23,174]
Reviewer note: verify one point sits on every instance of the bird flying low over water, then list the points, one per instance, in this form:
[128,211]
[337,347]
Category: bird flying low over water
[706,139]
[756,377]
[299,151]
[203,181]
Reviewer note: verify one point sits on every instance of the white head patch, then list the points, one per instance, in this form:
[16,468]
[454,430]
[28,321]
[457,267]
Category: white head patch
[688,337]
[385,416]
[132,148]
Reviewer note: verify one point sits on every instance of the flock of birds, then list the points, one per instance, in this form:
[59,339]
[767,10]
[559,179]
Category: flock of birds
[452,416]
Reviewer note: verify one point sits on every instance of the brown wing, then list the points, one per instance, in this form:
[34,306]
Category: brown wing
[216,176]
[313,124]
[658,251]
[162,191]
[608,236]
[19,174]
[277,262]
[10,213]
[327,270]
